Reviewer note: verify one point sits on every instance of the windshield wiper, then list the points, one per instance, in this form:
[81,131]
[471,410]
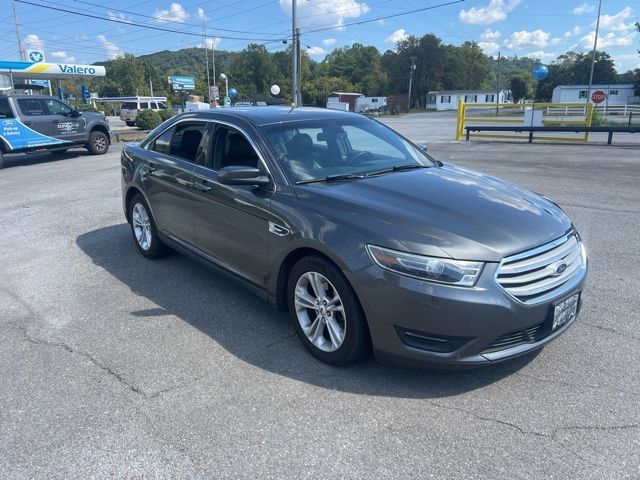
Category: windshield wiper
[397,168]
[333,178]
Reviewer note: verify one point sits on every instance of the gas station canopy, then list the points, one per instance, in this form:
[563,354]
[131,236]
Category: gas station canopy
[50,71]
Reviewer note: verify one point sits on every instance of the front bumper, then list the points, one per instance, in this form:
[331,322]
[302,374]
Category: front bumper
[422,323]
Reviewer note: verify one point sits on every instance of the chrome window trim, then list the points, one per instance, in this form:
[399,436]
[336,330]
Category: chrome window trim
[222,122]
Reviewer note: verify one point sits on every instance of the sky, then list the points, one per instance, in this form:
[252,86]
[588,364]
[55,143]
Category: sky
[536,28]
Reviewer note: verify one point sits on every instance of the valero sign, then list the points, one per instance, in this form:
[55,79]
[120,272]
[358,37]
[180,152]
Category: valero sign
[50,70]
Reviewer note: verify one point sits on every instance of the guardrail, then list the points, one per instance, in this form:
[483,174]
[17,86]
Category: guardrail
[532,130]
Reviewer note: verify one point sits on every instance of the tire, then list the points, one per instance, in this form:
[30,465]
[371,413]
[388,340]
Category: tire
[130,124]
[1,159]
[143,229]
[98,143]
[340,337]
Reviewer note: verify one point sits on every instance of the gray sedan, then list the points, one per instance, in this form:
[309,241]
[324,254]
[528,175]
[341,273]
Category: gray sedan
[366,240]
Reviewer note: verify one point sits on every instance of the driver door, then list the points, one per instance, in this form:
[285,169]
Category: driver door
[64,124]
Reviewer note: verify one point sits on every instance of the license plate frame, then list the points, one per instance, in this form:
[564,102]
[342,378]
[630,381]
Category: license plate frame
[565,311]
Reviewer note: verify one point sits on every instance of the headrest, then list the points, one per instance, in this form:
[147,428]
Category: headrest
[300,145]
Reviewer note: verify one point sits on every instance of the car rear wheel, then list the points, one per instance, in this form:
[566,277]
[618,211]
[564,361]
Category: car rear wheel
[144,230]
[130,124]
[326,313]
[98,143]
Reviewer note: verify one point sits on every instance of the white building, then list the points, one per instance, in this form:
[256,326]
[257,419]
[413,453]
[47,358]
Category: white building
[620,94]
[448,99]
[370,103]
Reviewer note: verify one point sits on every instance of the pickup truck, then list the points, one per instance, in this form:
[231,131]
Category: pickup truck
[41,122]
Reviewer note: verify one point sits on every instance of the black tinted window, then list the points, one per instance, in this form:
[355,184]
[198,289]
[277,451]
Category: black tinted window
[5,109]
[33,106]
[129,106]
[181,140]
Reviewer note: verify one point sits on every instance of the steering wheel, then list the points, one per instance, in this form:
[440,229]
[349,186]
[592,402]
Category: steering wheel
[360,156]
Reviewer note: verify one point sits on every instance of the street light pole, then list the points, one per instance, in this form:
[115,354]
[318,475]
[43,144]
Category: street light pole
[294,51]
[593,58]
[226,82]
[498,87]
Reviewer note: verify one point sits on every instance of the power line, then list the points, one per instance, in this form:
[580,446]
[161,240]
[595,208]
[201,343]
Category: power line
[140,25]
[383,17]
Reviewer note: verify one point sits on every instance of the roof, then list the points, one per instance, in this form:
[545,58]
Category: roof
[464,92]
[274,114]
[346,93]
[606,86]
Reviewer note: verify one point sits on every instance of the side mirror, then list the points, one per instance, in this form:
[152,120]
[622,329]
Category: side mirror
[74,113]
[424,146]
[241,175]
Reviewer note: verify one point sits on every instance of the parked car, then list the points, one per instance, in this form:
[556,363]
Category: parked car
[367,240]
[129,110]
[36,122]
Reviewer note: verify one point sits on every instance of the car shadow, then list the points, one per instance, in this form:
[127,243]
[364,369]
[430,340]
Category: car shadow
[36,158]
[256,332]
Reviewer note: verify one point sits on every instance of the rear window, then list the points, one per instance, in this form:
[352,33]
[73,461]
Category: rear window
[33,107]
[129,106]
[5,108]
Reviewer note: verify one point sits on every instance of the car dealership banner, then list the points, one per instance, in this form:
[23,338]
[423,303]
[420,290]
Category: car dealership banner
[50,70]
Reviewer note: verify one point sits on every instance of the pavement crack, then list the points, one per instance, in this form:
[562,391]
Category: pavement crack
[88,356]
[611,330]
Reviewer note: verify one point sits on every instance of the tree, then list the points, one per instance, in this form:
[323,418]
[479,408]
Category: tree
[519,88]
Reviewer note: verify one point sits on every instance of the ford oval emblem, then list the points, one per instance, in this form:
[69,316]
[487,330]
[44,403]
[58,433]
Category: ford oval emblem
[561,268]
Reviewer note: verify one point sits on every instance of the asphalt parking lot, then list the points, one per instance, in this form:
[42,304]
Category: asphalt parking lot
[114,366]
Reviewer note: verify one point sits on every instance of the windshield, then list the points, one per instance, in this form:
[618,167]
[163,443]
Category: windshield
[309,150]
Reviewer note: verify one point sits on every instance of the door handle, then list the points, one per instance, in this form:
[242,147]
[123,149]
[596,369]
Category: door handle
[203,186]
[56,121]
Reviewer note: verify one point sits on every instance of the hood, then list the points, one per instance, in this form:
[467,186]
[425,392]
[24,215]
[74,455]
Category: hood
[445,211]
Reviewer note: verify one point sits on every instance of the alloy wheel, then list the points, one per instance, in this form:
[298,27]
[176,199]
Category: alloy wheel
[320,311]
[142,226]
[100,143]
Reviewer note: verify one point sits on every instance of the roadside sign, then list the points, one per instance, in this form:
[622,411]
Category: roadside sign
[182,84]
[35,56]
[227,102]
[598,96]
[214,92]
[44,83]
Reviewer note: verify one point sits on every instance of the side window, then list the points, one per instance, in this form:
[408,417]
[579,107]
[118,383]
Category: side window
[144,105]
[5,108]
[56,107]
[154,106]
[182,140]
[162,106]
[33,107]
[230,147]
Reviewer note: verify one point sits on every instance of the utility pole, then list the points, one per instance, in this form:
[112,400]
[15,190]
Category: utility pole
[206,60]
[294,53]
[15,21]
[413,67]
[299,65]
[593,58]
[498,88]
[151,86]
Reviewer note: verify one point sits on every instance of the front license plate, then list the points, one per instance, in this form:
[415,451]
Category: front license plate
[565,311]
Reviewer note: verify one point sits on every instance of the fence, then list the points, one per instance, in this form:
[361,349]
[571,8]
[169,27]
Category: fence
[531,114]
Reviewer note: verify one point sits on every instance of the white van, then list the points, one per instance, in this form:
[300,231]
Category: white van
[129,110]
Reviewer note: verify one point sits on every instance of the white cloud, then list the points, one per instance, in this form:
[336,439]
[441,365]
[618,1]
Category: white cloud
[555,41]
[63,56]
[583,9]
[33,41]
[118,16]
[325,13]
[201,15]
[489,47]
[494,11]
[536,38]
[396,36]
[328,42]
[574,31]
[616,23]
[317,52]
[489,34]
[608,40]
[111,50]
[626,61]
[211,42]
[175,13]
[542,55]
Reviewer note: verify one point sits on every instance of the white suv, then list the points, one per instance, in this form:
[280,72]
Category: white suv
[129,110]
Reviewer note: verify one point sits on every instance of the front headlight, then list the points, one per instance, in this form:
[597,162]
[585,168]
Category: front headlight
[442,270]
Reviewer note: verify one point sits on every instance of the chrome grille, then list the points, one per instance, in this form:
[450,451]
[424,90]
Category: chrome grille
[534,275]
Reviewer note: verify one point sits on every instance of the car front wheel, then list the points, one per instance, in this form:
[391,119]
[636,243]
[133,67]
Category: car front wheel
[144,230]
[98,143]
[326,313]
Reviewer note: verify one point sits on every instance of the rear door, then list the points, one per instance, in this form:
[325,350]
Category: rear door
[38,127]
[168,167]
[232,221]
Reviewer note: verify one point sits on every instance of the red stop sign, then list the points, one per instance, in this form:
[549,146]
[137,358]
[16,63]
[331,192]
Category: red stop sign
[598,96]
